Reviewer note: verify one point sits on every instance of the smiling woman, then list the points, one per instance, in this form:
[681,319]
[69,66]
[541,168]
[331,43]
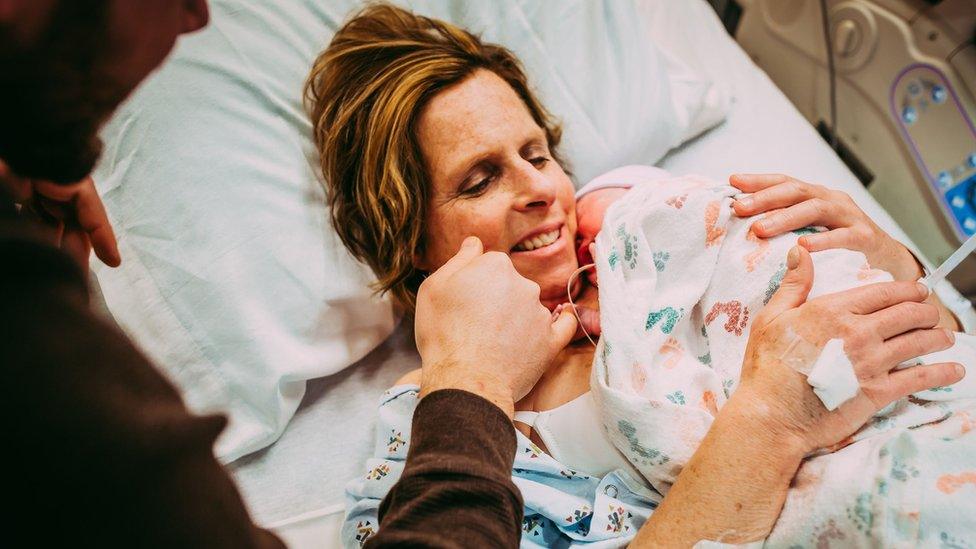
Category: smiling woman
[492,175]
[428,135]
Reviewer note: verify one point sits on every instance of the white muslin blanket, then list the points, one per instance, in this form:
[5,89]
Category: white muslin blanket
[681,280]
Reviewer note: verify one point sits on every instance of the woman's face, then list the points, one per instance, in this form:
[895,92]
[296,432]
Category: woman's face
[492,177]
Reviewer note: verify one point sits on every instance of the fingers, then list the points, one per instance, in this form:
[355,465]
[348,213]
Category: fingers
[874,297]
[562,330]
[88,214]
[903,317]
[844,237]
[471,249]
[915,344]
[796,285]
[902,383]
[780,195]
[93,219]
[751,183]
[813,212]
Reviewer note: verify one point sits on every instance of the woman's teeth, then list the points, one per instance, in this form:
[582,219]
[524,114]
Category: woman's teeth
[537,241]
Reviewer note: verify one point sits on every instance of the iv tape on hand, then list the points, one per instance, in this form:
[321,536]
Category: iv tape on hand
[829,370]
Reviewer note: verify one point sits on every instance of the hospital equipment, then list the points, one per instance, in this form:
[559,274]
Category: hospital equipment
[954,260]
[236,150]
[905,102]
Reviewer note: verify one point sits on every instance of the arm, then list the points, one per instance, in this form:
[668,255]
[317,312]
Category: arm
[481,351]
[103,445]
[458,473]
[733,488]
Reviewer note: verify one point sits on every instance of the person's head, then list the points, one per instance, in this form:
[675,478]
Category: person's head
[428,135]
[65,65]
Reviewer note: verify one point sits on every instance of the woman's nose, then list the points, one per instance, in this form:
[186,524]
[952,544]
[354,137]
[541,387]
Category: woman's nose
[535,190]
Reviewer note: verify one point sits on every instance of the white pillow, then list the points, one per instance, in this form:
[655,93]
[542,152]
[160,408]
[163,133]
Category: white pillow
[232,279]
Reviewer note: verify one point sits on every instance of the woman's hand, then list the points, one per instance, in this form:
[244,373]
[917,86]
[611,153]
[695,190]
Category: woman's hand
[590,210]
[882,325]
[792,204]
[734,486]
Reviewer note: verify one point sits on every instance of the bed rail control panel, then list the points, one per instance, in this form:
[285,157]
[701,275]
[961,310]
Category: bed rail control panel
[942,139]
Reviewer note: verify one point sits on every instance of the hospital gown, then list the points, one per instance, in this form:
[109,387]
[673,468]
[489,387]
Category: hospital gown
[563,507]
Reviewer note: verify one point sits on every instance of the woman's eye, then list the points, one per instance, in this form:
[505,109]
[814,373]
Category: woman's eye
[539,161]
[478,187]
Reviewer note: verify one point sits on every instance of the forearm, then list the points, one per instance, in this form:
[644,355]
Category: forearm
[732,489]
[456,489]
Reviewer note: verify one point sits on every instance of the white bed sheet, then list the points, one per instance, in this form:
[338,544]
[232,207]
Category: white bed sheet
[296,485]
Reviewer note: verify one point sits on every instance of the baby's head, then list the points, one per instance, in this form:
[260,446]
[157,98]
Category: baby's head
[428,135]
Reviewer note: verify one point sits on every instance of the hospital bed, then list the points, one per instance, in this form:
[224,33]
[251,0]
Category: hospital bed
[295,485]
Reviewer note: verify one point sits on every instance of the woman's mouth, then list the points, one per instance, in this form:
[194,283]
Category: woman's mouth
[538,241]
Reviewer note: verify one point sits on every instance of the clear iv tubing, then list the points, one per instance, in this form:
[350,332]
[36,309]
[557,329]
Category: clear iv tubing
[948,265]
[569,295]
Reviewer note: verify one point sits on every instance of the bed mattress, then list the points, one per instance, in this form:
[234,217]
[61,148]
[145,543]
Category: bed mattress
[296,485]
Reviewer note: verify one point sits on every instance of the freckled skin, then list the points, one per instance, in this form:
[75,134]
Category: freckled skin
[483,118]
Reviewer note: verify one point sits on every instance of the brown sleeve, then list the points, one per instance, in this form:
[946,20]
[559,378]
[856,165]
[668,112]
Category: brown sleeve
[100,448]
[456,489]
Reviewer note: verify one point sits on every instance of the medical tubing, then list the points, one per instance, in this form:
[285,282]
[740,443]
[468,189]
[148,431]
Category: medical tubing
[951,263]
[832,74]
[569,295]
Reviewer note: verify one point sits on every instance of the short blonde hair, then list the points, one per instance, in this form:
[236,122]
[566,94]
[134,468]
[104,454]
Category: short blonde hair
[365,94]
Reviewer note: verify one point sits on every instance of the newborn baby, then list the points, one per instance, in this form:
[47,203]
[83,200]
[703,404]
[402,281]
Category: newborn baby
[681,279]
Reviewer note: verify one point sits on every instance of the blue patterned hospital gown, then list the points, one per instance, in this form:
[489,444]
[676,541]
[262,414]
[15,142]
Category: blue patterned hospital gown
[563,507]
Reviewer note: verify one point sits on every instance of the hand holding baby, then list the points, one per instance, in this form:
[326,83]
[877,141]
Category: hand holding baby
[882,325]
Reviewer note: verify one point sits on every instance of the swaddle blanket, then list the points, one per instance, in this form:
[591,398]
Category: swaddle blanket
[681,280]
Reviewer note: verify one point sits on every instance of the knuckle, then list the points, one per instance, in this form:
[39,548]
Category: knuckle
[820,206]
[928,314]
[796,187]
[922,375]
[496,259]
[863,234]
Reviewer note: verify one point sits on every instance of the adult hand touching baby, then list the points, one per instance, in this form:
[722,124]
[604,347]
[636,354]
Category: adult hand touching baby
[735,484]
[881,325]
[480,327]
[791,204]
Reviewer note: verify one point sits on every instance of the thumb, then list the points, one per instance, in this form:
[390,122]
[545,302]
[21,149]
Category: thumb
[470,249]
[795,288]
[562,330]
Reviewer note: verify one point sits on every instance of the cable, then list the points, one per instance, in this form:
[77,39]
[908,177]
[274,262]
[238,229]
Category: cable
[833,74]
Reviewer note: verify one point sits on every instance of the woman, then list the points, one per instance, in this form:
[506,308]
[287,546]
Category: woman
[428,136]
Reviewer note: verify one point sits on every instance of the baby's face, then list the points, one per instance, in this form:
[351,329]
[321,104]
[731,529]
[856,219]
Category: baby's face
[493,177]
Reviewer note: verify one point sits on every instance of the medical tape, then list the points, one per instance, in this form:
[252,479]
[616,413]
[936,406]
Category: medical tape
[828,370]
